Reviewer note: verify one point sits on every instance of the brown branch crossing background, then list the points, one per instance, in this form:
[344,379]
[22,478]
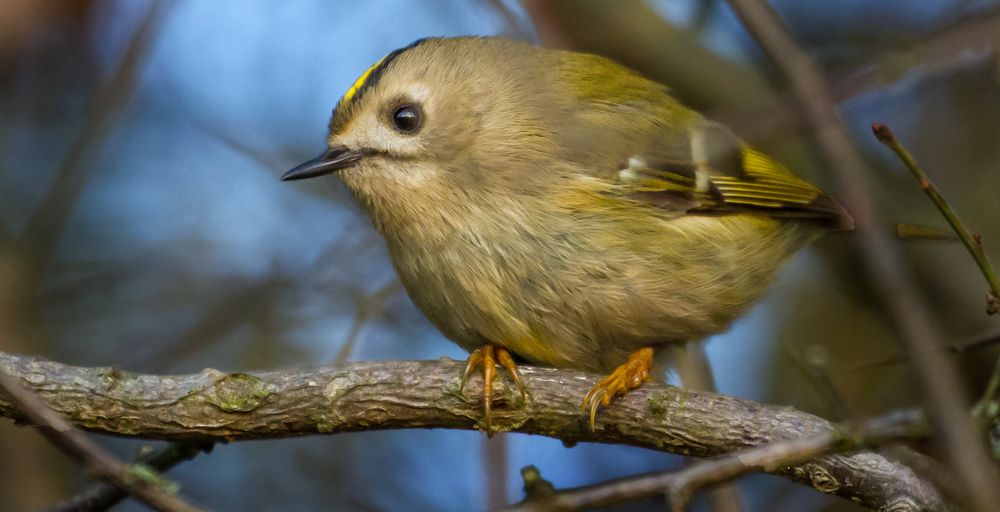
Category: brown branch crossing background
[217,406]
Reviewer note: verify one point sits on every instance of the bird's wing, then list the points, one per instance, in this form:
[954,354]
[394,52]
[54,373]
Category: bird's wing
[720,174]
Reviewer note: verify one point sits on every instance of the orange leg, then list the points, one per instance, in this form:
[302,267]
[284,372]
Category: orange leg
[625,378]
[487,357]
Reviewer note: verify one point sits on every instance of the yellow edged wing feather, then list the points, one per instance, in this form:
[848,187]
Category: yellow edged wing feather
[724,175]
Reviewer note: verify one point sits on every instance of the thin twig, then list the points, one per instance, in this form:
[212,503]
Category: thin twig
[102,495]
[960,347]
[973,242]
[977,342]
[947,400]
[917,233]
[679,486]
[137,480]
[987,408]
[376,395]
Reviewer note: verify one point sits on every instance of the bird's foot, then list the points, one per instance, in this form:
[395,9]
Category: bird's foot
[487,357]
[625,378]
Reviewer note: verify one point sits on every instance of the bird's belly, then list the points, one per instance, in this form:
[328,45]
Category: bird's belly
[470,292]
[566,299]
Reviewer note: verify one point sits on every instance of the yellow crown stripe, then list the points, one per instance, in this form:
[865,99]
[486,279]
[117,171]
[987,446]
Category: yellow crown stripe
[360,82]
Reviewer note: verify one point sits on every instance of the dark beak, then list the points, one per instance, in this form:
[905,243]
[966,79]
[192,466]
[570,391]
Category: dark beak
[332,160]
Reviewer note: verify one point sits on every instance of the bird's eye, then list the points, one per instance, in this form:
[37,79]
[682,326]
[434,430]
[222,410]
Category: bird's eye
[407,118]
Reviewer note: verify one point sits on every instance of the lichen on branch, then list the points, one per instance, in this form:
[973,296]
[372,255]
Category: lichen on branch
[213,405]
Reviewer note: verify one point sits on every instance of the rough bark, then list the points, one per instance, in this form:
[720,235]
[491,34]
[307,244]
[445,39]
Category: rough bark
[213,405]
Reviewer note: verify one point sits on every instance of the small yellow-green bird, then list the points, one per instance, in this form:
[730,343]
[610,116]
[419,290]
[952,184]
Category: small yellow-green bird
[557,208]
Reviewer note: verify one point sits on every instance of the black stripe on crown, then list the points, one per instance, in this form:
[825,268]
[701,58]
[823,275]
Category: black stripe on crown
[369,79]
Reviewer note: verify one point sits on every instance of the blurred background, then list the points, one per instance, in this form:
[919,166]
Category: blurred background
[142,223]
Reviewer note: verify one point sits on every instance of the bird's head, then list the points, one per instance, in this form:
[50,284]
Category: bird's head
[441,115]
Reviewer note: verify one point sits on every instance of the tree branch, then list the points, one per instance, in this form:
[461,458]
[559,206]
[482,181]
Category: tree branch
[985,408]
[679,486]
[973,243]
[634,34]
[102,495]
[138,480]
[947,401]
[215,406]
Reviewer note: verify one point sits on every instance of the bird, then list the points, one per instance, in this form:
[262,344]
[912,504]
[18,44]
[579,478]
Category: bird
[556,208]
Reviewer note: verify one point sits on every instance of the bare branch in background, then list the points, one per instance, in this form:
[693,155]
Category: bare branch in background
[102,496]
[947,401]
[244,300]
[977,29]
[495,467]
[962,347]
[703,14]
[269,160]
[368,307]
[43,228]
[137,480]
[634,34]
[679,486]
[6,235]
[813,362]
[215,406]
[917,233]
[515,26]
[973,243]
[977,342]
[988,406]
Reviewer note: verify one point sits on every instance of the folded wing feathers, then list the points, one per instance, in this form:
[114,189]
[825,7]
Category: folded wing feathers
[741,180]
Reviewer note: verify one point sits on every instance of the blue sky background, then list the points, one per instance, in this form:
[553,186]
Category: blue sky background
[185,195]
